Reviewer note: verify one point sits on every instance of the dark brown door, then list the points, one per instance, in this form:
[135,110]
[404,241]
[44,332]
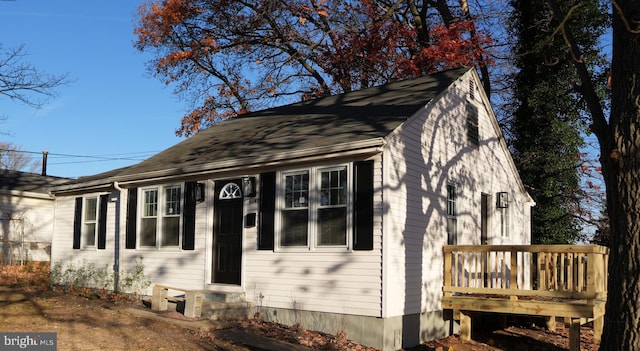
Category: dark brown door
[484,219]
[227,232]
[485,204]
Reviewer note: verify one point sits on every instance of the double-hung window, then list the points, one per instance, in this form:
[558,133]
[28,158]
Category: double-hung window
[90,222]
[504,222]
[160,216]
[295,212]
[314,208]
[332,207]
[452,215]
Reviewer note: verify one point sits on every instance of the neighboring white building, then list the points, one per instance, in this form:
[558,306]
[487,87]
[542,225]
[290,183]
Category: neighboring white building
[331,213]
[26,216]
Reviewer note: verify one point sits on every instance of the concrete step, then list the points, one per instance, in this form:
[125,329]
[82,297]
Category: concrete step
[213,305]
[223,296]
[216,310]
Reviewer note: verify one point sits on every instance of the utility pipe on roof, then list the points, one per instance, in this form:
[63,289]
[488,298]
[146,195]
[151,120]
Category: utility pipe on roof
[44,162]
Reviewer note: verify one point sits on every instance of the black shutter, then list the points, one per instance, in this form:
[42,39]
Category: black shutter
[77,223]
[102,222]
[363,206]
[267,210]
[132,208]
[189,216]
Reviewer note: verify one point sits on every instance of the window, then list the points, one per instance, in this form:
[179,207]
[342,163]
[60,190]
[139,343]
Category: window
[452,219]
[504,222]
[230,191]
[295,212]
[473,133]
[314,207]
[161,214]
[332,209]
[90,222]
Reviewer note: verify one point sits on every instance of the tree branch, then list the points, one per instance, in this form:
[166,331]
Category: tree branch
[600,124]
[19,80]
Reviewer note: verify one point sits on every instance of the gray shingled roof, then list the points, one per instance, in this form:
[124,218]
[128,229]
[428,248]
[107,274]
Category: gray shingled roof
[346,118]
[31,182]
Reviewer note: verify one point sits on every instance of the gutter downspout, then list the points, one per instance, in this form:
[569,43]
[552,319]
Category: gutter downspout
[115,196]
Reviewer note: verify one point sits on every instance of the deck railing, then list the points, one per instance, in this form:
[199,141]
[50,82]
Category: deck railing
[552,271]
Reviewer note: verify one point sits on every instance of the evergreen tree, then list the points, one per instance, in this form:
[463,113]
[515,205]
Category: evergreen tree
[548,116]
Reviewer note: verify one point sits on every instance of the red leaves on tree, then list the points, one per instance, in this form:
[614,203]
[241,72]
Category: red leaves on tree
[388,49]
[230,57]
[459,44]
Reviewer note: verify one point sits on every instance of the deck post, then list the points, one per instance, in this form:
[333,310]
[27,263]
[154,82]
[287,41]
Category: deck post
[574,335]
[598,325]
[465,325]
[447,271]
[551,323]
[513,278]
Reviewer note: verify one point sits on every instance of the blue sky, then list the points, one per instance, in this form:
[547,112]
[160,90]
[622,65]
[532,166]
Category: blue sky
[112,107]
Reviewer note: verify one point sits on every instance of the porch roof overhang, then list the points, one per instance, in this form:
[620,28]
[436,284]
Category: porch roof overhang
[244,165]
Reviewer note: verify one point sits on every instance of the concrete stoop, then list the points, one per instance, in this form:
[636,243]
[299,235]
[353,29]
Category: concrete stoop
[222,296]
[215,310]
[220,305]
[208,304]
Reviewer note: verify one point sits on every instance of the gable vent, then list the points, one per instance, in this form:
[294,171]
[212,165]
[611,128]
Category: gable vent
[472,89]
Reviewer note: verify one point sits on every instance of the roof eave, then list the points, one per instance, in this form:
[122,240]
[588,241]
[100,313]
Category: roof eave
[363,147]
[30,194]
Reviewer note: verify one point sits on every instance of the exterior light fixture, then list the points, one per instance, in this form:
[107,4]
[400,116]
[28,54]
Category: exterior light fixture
[199,192]
[249,186]
[503,200]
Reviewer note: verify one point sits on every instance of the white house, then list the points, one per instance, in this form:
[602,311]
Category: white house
[26,216]
[331,213]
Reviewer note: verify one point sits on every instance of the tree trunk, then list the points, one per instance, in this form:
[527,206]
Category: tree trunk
[620,156]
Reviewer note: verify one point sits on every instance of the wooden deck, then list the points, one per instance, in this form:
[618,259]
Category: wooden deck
[568,281]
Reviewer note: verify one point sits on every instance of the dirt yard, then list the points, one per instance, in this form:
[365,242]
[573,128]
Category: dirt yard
[86,320]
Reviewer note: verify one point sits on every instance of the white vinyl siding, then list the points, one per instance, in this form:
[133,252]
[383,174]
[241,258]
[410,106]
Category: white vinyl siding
[62,252]
[185,269]
[26,224]
[181,268]
[348,282]
[423,155]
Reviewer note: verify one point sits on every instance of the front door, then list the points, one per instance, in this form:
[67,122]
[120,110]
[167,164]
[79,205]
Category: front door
[484,219]
[485,204]
[227,232]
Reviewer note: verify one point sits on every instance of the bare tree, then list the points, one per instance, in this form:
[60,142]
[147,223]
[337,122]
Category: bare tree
[23,82]
[12,157]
